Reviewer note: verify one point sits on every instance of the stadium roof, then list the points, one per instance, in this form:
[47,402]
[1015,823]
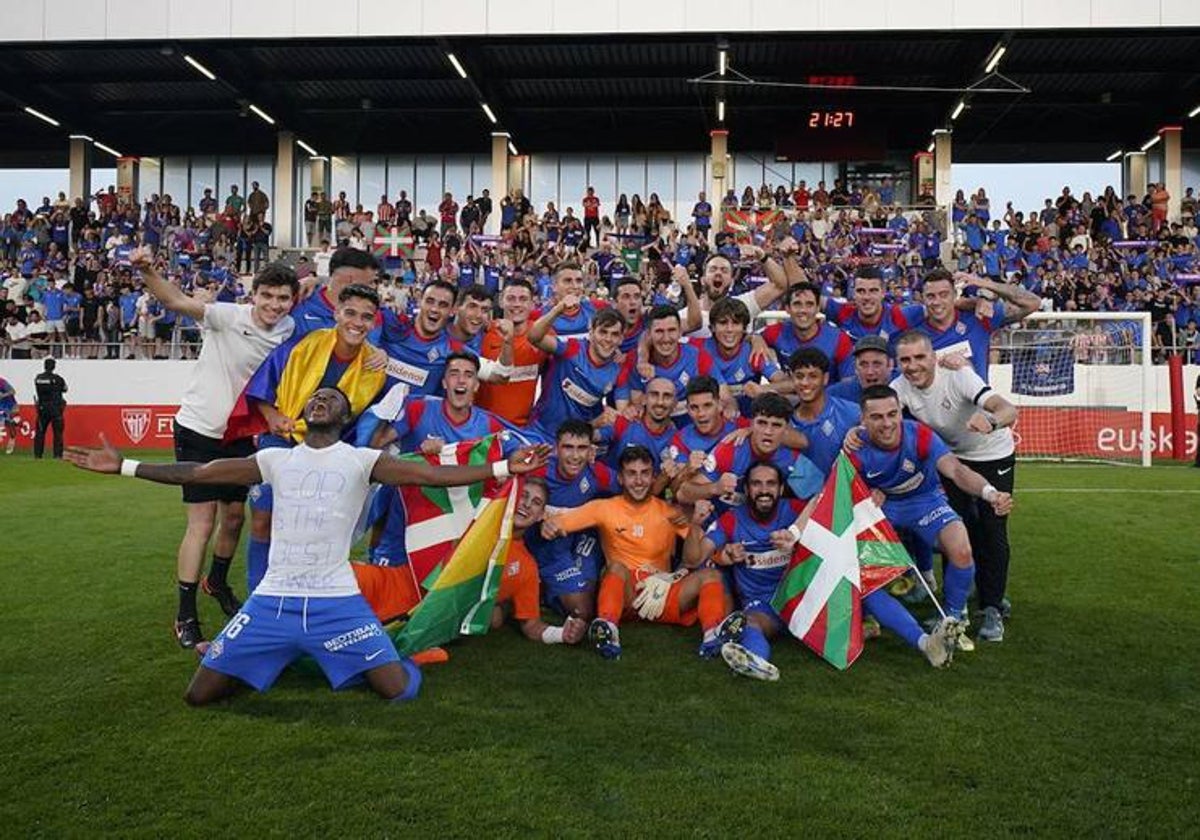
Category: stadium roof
[1090,92]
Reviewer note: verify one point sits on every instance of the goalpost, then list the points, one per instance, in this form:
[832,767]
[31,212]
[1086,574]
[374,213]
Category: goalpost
[1083,383]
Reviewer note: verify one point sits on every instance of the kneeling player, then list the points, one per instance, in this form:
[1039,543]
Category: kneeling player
[637,535]
[308,601]
[755,540]
[902,461]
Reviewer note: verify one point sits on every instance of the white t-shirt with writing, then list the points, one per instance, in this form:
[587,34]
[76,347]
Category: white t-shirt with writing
[319,494]
[946,406]
[233,347]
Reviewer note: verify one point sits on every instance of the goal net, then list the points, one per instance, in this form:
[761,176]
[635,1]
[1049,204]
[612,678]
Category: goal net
[1082,382]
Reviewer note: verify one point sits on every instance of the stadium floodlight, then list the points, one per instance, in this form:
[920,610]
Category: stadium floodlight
[1151,143]
[108,149]
[958,109]
[201,69]
[306,147]
[489,113]
[263,114]
[33,112]
[994,61]
[722,62]
[1194,112]
[1115,155]
[457,66]
[720,110]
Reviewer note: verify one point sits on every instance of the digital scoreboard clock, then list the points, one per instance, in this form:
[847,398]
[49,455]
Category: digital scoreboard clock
[820,134]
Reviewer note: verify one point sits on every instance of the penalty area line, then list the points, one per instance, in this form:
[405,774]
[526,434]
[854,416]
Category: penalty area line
[1020,491]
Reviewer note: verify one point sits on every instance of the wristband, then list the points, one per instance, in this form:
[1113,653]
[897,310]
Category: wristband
[129,467]
[500,470]
[989,493]
[794,531]
[552,635]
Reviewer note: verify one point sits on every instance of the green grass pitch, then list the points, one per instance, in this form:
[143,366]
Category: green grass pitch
[1083,723]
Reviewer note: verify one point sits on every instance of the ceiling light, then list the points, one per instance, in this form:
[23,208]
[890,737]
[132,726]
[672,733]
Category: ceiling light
[108,149]
[34,113]
[1115,155]
[489,113]
[720,110]
[512,150]
[204,71]
[958,109]
[454,60]
[930,147]
[1151,142]
[722,62]
[263,114]
[1194,111]
[994,61]
[306,147]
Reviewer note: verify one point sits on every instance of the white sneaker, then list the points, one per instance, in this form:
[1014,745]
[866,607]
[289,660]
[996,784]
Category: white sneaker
[747,663]
[10,446]
[938,645]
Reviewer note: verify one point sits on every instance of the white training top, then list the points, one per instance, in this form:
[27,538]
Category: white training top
[233,349]
[946,406]
[319,494]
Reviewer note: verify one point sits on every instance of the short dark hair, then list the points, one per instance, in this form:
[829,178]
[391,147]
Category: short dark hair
[274,275]
[476,292]
[566,265]
[877,392]
[573,428]
[703,385]
[912,337]
[538,481]
[717,256]
[352,258]
[627,280]
[768,465]
[808,357]
[729,308]
[633,455]
[868,272]
[464,355]
[607,318]
[441,284]
[663,311]
[771,405]
[520,282]
[938,274]
[797,289]
[357,290]
[49,363]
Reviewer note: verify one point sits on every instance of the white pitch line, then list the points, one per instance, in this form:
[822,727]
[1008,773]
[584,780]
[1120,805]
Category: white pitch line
[1020,491]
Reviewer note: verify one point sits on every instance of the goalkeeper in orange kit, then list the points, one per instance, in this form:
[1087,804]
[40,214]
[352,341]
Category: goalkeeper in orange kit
[637,534]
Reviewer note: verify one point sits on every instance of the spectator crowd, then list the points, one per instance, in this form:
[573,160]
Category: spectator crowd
[67,288]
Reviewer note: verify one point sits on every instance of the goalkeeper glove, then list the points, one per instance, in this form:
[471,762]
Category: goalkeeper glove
[652,594]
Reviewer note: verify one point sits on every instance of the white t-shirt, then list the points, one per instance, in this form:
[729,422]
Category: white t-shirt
[706,332]
[319,494]
[946,406]
[233,347]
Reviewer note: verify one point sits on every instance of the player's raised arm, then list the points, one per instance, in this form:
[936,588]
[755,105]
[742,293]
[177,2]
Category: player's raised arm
[393,471]
[170,295]
[974,484]
[540,335]
[996,413]
[108,460]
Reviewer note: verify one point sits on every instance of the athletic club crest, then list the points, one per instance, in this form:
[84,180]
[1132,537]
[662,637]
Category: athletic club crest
[136,422]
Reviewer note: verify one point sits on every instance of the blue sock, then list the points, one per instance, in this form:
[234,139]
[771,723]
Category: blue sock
[921,553]
[256,563]
[414,681]
[957,584]
[755,641]
[892,615]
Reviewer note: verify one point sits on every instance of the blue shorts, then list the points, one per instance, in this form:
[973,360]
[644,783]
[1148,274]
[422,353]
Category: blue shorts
[568,564]
[269,633]
[924,514]
[8,415]
[763,608]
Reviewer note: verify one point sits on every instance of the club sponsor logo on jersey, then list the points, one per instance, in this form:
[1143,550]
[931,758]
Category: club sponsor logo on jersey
[767,559]
[352,637]
[135,422]
[579,395]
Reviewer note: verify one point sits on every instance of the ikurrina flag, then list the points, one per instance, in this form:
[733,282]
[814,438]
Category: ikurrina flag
[846,551]
[389,244]
[463,585]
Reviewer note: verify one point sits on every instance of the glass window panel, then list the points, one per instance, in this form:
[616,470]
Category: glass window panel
[810,173]
[204,175]
[660,181]
[344,178]
[150,178]
[303,192]
[372,170]
[543,181]
[32,184]
[261,168]
[602,174]
[481,175]
[400,176]
[572,181]
[631,177]
[689,182]
[429,184]
[748,170]
[174,181]
[231,170]
[458,177]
